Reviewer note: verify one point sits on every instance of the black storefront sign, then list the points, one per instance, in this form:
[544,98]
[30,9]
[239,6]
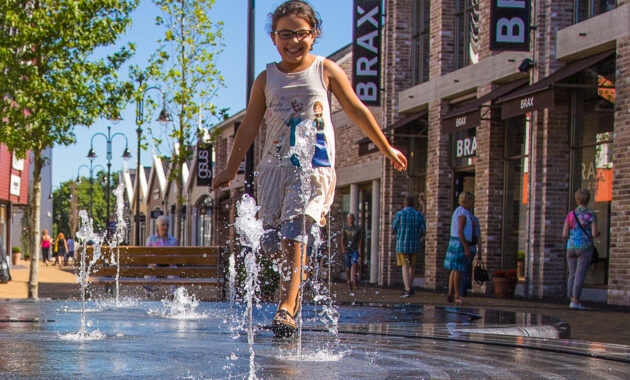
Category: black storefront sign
[461,122]
[204,165]
[155,214]
[510,25]
[366,48]
[527,103]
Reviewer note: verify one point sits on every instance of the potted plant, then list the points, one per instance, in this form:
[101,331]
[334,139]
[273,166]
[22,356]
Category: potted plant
[27,256]
[504,283]
[16,253]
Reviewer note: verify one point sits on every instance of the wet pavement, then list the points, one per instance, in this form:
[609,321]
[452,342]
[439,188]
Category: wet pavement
[150,339]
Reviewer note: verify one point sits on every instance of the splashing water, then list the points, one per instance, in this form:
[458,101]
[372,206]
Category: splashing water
[183,306]
[232,279]
[118,236]
[86,234]
[303,150]
[250,230]
[329,314]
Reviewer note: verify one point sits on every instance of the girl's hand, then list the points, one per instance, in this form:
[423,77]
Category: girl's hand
[222,179]
[397,158]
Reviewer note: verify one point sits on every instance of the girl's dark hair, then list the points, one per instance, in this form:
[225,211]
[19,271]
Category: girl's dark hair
[299,8]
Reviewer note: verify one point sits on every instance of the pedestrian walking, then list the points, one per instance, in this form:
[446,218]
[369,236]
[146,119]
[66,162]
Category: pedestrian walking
[409,225]
[45,243]
[466,282]
[289,95]
[459,244]
[60,249]
[70,254]
[580,228]
[352,243]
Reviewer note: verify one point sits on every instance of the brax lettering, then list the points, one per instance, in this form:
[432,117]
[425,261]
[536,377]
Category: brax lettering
[466,147]
[366,61]
[510,25]
[460,122]
[527,102]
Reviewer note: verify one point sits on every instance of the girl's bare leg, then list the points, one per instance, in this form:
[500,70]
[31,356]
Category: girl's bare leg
[290,285]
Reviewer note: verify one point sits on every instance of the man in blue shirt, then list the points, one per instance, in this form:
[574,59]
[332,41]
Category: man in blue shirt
[409,226]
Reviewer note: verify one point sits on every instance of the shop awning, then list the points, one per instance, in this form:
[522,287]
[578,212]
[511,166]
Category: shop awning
[469,115]
[540,94]
[366,146]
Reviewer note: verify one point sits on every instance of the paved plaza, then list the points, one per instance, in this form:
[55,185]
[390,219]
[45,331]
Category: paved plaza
[600,323]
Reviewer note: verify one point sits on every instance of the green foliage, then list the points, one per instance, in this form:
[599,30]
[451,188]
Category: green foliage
[185,67]
[520,256]
[49,68]
[62,207]
[53,81]
[16,249]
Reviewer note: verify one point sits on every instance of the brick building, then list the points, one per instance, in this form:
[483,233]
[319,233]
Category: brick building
[521,129]
[14,181]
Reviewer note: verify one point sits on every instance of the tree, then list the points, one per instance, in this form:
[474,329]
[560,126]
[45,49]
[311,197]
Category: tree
[185,64]
[52,80]
[63,197]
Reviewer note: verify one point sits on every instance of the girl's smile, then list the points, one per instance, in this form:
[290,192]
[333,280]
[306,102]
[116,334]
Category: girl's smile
[294,51]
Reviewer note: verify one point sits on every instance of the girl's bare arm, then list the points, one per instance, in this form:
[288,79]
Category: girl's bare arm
[246,133]
[339,84]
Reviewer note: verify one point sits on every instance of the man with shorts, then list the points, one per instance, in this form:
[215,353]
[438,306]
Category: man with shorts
[352,243]
[409,226]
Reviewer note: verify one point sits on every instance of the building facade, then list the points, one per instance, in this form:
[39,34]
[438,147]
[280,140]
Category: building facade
[521,126]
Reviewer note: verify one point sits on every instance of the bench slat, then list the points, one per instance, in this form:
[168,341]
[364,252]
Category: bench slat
[183,272]
[155,281]
[170,259]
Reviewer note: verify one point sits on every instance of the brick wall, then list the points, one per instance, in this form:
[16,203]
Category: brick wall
[619,260]
[546,266]
[396,68]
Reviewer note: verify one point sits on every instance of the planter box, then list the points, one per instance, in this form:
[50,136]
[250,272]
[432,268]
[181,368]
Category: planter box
[504,287]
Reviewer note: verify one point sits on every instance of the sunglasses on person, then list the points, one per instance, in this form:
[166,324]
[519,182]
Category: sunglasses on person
[289,34]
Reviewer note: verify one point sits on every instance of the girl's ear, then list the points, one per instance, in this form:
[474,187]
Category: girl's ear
[272,38]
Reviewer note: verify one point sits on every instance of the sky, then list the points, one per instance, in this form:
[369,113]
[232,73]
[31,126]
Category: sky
[337,33]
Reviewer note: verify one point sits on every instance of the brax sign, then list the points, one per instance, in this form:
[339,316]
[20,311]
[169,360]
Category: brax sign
[366,59]
[510,25]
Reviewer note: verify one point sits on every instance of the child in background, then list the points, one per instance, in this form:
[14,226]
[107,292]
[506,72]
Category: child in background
[282,94]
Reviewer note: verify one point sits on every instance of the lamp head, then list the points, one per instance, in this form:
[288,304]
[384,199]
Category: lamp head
[526,65]
[164,117]
[115,119]
[126,154]
[91,154]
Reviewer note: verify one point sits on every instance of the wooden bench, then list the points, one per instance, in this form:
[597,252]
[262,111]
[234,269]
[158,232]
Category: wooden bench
[185,266]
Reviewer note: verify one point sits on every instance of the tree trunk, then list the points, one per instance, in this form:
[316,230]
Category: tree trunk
[72,218]
[178,208]
[36,193]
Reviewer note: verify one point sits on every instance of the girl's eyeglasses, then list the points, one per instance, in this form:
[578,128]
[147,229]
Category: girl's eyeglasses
[289,34]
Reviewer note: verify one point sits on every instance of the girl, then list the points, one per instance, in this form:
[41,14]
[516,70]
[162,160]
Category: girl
[289,90]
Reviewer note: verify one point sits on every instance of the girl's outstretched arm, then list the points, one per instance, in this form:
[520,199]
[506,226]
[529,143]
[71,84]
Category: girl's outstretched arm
[246,133]
[357,112]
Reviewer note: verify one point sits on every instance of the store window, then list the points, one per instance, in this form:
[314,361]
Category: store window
[204,222]
[463,159]
[421,37]
[585,9]
[516,202]
[592,157]
[467,26]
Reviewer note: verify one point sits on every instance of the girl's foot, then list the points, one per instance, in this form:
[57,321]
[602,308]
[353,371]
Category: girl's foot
[449,298]
[459,301]
[283,325]
[349,286]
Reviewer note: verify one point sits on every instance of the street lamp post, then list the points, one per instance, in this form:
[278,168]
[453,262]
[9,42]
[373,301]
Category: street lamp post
[163,118]
[108,139]
[90,169]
